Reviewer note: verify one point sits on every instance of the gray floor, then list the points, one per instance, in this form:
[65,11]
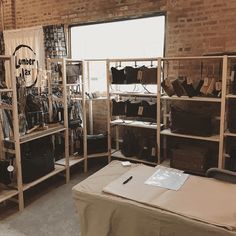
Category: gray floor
[50,212]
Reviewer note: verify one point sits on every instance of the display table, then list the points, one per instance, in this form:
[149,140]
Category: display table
[103,214]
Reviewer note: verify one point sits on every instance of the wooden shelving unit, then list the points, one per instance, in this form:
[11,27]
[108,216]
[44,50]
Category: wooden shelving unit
[116,122]
[221,101]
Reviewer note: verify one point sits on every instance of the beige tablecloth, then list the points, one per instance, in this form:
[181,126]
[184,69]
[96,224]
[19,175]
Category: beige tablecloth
[102,214]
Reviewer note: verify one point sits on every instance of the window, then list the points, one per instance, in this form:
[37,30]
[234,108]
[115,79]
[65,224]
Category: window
[143,37]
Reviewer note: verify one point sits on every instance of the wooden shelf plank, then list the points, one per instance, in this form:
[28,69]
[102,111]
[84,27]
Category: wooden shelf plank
[194,99]
[42,133]
[230,96]
[58,169]
[128,94]
[118,154]
[5,90]
[214,138]
[133,123]
[228,133]
[7,194]
[73,160]
[101,154]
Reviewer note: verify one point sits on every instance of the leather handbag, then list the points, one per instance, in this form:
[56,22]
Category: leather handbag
[5,175]
[133,108]
[131,74]
[168,87]
[73,72]
[187,122]
[232,115]
[118,108]
[178,88]
[188,87]
[118,76]
[147,75]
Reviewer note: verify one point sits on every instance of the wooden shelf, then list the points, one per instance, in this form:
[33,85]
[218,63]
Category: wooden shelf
[7,194]
[214,138]
[73,160]
[228,133]
[128,94]
[42,133]
[58,169]
[5,90]
[101,154]
[96,99]
[230,96]
[194,99]
[118,154]
[75,84]
[133,123]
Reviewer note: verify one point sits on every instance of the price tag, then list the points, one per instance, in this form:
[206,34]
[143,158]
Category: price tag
[218,86]
[10,168]
[232,75]
[167,82]
[153,152]
[206,81]
[189,80]
[140,110]
[59,116]
[140,75]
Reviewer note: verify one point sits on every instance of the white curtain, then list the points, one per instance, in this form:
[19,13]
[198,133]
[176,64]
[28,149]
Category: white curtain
[28,46]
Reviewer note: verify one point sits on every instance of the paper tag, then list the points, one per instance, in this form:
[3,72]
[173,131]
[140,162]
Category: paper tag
[140,110]
[140,75]
[145,148]
[167,82]
[153,152]
[218,86]
[232,75]
[59,116]
[189,80]
[206,81]
[126,163]
[10,168]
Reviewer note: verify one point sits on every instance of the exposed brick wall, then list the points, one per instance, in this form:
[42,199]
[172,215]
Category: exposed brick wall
[193,27]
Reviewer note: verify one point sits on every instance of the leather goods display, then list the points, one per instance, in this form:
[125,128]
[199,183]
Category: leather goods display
[178,88]
[96,143]
[208,86]
[147,150]
[147,75]
[168,87]
[5,175]
[73,72]
[190,159]
[118,76]
[232,115]
[37,159]
[187,122]
[118,108]
[147,110]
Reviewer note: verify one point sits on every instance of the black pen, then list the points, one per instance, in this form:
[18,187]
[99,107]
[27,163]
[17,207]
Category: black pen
[126,181]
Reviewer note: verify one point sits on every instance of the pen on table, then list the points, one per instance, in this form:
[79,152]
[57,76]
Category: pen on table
[126,181]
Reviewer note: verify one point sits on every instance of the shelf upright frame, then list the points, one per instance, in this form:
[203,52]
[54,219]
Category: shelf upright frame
[16,134]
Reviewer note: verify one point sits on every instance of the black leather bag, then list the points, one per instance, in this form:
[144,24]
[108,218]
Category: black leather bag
[232,116]
[37,159]
[118,76]
[178,88]
[5,175]
[188,87]
[233,84]
[130,145]
[132,108]
[131,74]
[118,108]
[73,72]
[187,122]
[96,143]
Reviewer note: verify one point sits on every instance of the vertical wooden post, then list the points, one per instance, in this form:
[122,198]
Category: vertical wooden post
[221,157]
[16,134]
[67,161]
[108,112]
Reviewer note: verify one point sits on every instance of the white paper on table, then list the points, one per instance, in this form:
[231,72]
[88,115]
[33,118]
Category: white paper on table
[168,178]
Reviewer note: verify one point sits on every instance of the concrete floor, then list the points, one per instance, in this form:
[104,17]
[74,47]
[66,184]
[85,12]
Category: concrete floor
[50,209]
